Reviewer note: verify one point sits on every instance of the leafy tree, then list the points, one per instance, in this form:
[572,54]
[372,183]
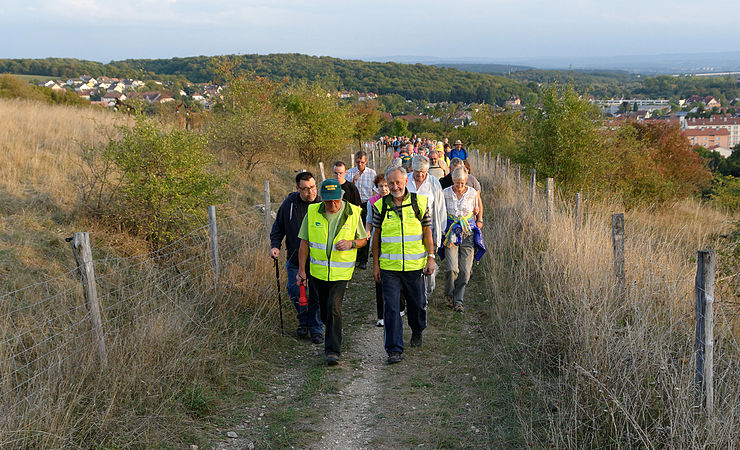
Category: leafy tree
[250,122]
[400,127]
[726,192]
[565,141]
[165,182]
[324,126]
[367,120]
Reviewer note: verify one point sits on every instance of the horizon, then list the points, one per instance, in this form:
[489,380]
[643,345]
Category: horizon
[498,32]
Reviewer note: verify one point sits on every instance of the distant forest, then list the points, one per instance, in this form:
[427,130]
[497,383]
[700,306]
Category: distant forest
[463,83]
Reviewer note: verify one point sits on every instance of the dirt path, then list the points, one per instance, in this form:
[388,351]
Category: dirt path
[454,391]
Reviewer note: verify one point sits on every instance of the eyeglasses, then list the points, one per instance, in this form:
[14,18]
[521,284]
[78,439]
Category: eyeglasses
[307,188]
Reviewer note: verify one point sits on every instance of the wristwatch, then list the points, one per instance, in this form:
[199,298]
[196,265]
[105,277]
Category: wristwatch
[431,255]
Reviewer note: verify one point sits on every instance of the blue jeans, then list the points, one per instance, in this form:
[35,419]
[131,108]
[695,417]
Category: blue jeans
[412,284]
[308,317]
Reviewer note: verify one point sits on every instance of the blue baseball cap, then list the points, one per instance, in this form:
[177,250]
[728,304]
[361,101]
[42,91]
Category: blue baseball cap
[331,190]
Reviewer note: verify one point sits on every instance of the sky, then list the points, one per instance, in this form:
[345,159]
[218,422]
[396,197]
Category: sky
[499,30]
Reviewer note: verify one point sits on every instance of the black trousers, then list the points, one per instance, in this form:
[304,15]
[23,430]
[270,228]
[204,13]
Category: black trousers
[362,253]
[331,294]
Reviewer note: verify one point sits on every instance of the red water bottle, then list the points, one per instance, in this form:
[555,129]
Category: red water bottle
[302,300]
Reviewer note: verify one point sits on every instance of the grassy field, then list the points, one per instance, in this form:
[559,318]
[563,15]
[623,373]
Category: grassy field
[34,78]
[614,366]
[180,356]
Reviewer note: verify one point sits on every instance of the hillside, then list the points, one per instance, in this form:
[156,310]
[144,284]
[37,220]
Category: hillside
[415,81]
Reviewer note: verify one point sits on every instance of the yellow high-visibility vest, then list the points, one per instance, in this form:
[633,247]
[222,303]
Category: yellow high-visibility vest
[402,240]
[341,264]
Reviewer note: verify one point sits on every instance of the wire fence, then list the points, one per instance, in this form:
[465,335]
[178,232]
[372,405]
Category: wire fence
[47,350]
[48,340]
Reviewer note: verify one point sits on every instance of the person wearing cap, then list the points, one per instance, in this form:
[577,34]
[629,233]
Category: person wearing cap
[287,223]
[458,151]
[403,251]
[330,235]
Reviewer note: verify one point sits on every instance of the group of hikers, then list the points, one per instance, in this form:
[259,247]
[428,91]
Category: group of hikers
[426,205]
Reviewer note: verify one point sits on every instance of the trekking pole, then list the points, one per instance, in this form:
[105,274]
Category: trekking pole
[280,303]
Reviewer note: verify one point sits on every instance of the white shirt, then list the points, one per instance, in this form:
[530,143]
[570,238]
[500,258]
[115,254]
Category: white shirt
[460,207]
[435,202]
[364,184]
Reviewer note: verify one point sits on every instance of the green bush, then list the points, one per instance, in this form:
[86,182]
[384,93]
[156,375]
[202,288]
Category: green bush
[725,192]
[164,181]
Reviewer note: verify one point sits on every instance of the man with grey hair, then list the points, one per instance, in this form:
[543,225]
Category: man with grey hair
[403,251]
[421,182]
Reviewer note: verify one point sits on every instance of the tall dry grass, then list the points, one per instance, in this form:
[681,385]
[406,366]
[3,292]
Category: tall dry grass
[180,352]
[608,367]
[39,147]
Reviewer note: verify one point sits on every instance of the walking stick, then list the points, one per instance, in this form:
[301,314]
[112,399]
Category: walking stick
[280,302]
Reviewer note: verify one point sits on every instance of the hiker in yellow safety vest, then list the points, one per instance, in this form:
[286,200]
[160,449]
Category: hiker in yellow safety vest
[330,234]
[403,251]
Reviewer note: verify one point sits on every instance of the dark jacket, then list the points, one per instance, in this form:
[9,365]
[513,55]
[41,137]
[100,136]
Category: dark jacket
[287,224]
[351,194]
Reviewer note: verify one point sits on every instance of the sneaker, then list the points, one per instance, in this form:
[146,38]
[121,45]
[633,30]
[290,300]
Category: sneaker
[416,339]
[332,359]
[403,313]
[395,357]
[317,339]
[459,307]
[302,332]
[380,323]
[448,302]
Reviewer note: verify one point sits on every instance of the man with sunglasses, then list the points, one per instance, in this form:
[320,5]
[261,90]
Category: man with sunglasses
[287,224]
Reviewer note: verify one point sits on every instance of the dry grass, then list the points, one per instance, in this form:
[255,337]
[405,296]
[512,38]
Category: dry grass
[39,148]
[612,368]
[179,352]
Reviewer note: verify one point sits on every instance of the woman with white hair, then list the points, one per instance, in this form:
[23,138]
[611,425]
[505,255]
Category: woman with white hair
[463,239]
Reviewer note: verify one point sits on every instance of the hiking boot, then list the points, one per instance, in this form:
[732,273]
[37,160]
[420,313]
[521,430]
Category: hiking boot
[302,332]
[448,301]
[395,357]
[380,323]
[416,339]
[459,308]
[317,339]
[332,359]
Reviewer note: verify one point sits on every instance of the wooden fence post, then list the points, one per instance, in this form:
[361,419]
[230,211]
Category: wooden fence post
[518,181]
[498,164]
[268,217]
[532,187]
[321,172]
[704,341]
[618,248]
[352,158]
[213,230]
[507,173]
[550,189]
[488,161]
[576,222]
[83,256]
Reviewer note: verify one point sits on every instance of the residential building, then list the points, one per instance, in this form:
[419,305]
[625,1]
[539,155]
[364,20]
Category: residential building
[731,124]
[709,138]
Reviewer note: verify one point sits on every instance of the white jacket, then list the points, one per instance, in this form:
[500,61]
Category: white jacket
[435,202]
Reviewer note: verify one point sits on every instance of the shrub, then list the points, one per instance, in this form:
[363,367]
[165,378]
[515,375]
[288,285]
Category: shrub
[164,183]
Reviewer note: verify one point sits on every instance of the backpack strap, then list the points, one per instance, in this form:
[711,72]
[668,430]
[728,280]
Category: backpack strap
[386,206]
